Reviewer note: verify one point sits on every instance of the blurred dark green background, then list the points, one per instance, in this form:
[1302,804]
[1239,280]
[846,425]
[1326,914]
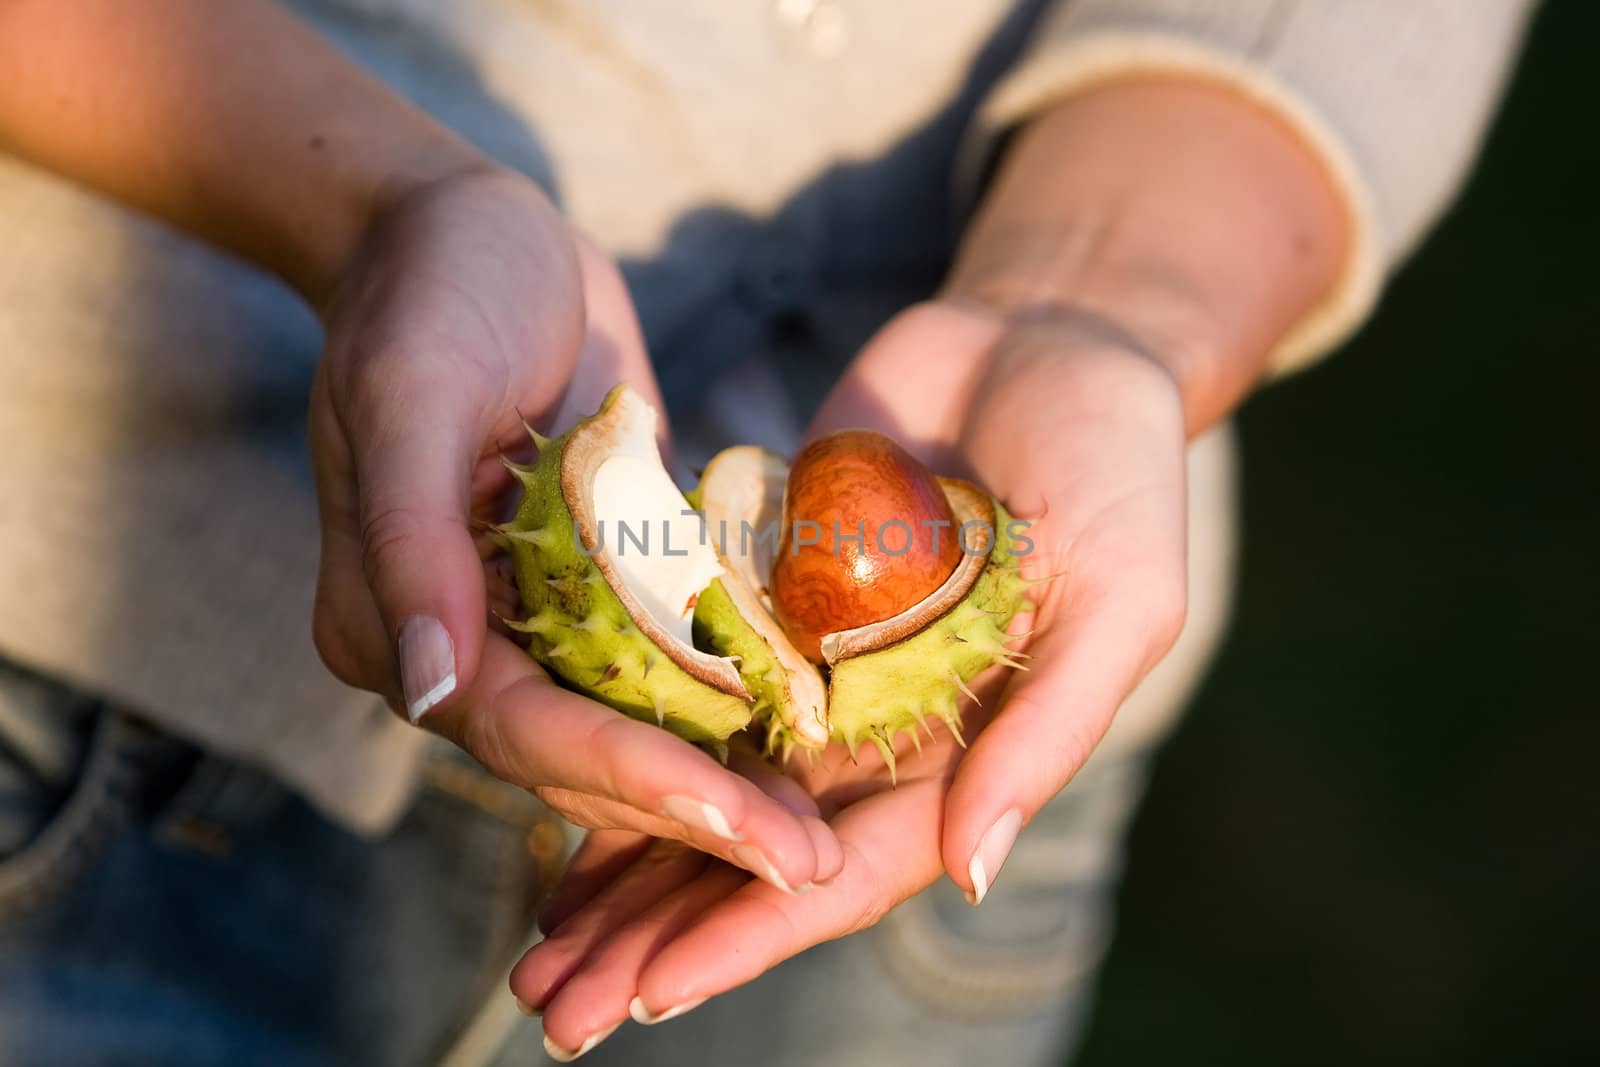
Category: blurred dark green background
[1376,839]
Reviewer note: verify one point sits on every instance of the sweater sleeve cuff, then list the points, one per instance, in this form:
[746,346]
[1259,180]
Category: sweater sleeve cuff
[1085,62]
[1393,99]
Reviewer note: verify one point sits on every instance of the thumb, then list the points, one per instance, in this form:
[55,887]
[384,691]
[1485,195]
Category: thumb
[413,471]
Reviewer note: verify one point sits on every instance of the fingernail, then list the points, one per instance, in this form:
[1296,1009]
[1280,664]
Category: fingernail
[562,1055]
[427,664]
[993,848]
[752,859]
[692,812]
[641,1014]
[528,1009]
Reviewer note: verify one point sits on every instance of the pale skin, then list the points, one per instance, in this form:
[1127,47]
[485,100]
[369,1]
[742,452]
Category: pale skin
[1142,248]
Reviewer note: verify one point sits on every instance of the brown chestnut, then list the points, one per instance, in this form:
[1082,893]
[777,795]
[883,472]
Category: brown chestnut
[867,533]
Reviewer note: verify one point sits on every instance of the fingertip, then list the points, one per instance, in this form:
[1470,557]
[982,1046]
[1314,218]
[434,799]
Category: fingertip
[976,845]
[427,656]
[539,974]
[760,864]
[779,846]
[830,853]
[438,655]
[645,1017]
[586,1010]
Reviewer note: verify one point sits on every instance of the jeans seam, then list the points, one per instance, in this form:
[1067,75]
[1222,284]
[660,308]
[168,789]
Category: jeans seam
[97,808]
[964,978]
[931,963]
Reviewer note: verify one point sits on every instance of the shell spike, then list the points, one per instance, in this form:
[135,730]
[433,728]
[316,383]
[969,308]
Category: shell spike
[881,740]
[523,474]
[961,685]
[536,538]
[852,742]
[955,730]
[540,441]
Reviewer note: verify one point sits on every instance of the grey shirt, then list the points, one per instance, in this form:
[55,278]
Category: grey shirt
[776,178]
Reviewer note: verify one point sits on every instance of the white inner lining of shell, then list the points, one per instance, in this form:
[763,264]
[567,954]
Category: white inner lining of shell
[649,535]
[743,486]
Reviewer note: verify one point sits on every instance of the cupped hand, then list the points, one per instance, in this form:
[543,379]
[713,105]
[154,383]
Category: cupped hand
[1079,431]
[472,308]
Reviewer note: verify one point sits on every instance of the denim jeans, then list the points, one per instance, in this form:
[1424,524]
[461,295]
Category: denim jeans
[160,905]
[163,906]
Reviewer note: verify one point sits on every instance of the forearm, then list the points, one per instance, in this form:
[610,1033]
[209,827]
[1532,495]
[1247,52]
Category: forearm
[1178,211]
[233,121]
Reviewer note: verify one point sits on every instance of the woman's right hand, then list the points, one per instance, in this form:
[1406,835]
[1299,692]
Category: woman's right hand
[470,307]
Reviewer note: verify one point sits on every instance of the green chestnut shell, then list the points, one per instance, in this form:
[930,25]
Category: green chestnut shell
[725,664]
[583,622]
[889,677]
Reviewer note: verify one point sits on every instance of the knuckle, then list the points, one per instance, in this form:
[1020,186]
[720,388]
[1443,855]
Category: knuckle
[481,736]
[872,913]
[869,914]
[484,733]
[387,531]
[579,809]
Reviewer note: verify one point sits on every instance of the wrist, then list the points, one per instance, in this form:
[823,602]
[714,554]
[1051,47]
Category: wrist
[373,204]
[1175,214]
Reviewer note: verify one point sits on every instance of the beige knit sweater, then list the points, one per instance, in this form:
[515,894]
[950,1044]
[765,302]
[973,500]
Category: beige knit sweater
[748,162]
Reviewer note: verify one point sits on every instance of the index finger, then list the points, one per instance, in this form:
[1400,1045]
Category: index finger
[529,731]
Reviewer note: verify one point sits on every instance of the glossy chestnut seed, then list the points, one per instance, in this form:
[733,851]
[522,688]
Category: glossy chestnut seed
[867,533]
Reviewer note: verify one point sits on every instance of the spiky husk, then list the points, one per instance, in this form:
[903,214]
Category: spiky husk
[877,695]
[739,486]
[579,628]
[720,628]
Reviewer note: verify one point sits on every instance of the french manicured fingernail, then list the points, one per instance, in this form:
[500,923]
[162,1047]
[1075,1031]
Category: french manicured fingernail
[567,1055]
[528,1009]
[641,1014]
[990,856]
[427,664]
[753,860]
[692,812]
